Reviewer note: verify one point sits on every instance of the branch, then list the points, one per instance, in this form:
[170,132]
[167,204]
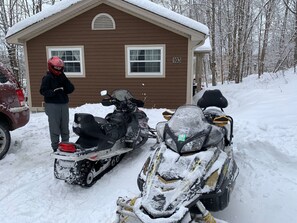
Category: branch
[287,5]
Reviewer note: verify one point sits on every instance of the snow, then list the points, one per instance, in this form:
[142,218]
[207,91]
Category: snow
[205,47]
[167,13]
[145,4]
[51,10]
[265,148]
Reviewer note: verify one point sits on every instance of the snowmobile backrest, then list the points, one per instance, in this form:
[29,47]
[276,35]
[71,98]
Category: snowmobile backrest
[212,98]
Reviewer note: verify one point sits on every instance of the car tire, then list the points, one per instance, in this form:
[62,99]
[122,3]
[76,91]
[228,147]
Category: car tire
[4,140]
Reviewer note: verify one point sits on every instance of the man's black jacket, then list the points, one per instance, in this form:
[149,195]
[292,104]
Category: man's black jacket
[51,82]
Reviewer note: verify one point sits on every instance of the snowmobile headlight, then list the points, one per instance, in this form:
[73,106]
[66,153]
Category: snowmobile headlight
[191,146]
[171,144]
[67,147]
[182,141]
[194,145]
[212,179]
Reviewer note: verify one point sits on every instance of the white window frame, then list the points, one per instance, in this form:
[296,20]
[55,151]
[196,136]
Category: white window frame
[130,74]
[49,50]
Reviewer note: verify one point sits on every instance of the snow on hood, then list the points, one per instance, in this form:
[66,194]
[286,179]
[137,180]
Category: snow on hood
[145,4]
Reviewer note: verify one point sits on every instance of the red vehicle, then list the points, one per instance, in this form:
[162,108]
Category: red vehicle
[14,112]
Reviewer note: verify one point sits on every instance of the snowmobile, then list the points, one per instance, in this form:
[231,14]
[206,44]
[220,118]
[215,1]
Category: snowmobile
[102,142]
[192,171]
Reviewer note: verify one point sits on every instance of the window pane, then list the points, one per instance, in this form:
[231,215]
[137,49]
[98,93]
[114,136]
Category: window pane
[153,66]
[72,67]
[67,55]
[147,67]
[76,55]
[156,55]
[145,54]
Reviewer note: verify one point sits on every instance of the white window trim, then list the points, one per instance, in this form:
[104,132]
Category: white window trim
[160,74]
[103,14]
[82,62]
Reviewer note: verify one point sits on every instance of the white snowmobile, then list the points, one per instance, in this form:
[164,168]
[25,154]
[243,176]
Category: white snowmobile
[191,172]
[102,142]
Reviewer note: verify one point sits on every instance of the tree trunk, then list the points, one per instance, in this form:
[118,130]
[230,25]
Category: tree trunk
[295,48]
[268,19]
[213,45]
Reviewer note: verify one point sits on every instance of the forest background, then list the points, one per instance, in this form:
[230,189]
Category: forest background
[246,36]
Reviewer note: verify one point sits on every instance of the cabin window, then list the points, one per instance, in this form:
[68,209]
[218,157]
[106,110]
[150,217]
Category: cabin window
[73,58]
[145,61]
[103,21]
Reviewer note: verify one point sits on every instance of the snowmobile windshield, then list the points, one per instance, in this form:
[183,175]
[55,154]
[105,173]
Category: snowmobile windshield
[187,130]
[122,95]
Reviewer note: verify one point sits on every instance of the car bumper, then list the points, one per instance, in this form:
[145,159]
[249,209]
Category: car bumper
[20,116]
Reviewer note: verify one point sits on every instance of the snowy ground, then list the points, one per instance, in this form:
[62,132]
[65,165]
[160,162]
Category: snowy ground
[265,147]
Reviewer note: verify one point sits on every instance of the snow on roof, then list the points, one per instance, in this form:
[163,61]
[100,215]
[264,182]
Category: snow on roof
[145,4]
[167,13]
[206,47]
[58,7]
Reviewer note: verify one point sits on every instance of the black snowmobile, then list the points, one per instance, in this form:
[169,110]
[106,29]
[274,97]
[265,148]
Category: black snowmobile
[191,172]
[102,142]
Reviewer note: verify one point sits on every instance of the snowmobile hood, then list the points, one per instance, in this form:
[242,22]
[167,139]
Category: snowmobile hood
[174,181]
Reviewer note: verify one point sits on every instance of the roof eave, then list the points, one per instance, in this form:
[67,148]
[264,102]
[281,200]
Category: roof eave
[50,22]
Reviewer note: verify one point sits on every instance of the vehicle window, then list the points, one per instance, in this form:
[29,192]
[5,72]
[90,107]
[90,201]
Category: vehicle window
[3,78]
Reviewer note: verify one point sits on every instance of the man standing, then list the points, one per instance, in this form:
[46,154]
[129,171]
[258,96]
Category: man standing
[55,87]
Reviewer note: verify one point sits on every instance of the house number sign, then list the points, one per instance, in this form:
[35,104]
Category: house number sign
[176,59]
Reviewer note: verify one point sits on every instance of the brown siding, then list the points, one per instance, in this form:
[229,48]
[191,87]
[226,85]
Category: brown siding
[104,53]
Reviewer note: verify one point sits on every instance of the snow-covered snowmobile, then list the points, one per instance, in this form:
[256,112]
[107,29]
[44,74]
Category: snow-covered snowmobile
[102,142]
[191,172]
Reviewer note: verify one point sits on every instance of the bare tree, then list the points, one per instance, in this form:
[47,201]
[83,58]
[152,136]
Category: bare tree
[7,21]
[212,24]
[13,11]
[292,6]
[268,19]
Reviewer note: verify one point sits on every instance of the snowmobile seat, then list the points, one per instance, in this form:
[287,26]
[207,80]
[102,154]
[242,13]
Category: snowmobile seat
[212,98]
[85,125]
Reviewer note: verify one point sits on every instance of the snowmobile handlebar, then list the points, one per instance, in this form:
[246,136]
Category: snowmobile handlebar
[125,102]
[126,105]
